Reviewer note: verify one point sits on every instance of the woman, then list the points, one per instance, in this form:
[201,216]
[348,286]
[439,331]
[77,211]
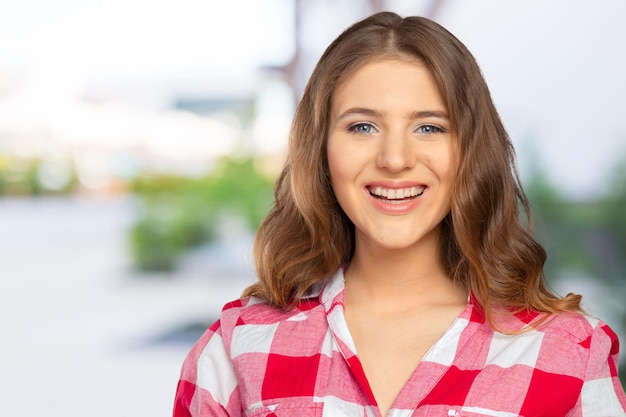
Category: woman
[395,276]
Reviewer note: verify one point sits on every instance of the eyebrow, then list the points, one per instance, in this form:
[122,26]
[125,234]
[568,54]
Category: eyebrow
[375,113]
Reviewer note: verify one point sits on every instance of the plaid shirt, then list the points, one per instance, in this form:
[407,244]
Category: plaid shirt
[260,361]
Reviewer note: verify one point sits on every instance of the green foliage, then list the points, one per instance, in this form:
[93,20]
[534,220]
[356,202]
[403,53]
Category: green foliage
[587,236]
[177,213]
[18,176]
[237,186]
[614,214]
[168,224]
[556,227]
[22,176]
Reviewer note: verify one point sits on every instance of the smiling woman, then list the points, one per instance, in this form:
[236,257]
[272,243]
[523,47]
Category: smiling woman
[395,276]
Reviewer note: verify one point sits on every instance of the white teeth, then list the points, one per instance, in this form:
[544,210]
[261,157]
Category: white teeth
[397,194]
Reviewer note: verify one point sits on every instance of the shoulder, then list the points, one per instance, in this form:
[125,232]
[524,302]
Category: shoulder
[570,354]
[255,311]
[591,339]
[569,327]
[591,348]
[577,345]
[568,343]
[253,319]
[574,328]
[246,325]
[574,331]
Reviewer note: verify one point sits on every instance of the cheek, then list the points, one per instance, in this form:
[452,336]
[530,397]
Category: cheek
[336,162]
[341,170]
[441,165]
[338,179]
[446,164]
[448,169]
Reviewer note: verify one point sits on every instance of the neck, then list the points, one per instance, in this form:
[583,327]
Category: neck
[393,278]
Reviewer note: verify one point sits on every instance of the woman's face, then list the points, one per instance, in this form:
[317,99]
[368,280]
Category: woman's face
[391,154]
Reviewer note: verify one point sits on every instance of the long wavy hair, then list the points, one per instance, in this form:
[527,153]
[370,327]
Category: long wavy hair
[486,242]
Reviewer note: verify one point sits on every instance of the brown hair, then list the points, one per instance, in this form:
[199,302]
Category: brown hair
[484,245]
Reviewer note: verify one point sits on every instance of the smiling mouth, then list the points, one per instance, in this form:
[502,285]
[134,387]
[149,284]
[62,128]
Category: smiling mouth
[396,195]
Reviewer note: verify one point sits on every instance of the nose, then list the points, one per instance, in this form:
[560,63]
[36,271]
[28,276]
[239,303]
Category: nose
[395,153]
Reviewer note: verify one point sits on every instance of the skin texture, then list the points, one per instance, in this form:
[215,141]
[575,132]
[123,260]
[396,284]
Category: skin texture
[389,129]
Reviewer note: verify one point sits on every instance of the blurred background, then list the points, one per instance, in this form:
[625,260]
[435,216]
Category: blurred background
[139,141]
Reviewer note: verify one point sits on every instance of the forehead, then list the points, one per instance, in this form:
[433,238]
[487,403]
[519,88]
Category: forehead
[388,82]
[377,60]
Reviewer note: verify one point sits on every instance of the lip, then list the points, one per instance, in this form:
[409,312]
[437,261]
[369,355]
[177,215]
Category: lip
[396,208]
[394,184]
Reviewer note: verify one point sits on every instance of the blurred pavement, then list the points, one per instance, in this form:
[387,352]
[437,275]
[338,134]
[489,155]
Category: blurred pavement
[81,334]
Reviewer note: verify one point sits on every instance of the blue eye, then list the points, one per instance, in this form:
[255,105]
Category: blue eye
[429,129]
[361,128]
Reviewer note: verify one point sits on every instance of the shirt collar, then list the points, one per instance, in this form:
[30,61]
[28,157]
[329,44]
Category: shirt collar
[331,288]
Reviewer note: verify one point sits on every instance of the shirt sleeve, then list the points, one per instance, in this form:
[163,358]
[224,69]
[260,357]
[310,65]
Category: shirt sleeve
[207,385]
[602,393]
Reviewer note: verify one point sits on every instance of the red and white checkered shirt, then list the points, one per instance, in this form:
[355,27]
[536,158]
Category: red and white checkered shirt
[260,361]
